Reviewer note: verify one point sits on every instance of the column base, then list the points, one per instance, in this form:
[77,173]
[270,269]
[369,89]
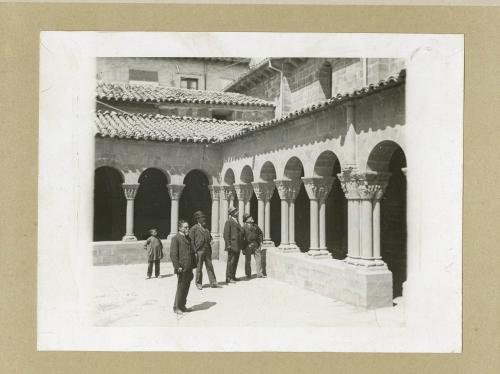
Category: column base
[366,262]
[288,248]
[318,254]
[129,238]
[268,244]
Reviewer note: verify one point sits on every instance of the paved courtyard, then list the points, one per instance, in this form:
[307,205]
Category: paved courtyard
[124,297]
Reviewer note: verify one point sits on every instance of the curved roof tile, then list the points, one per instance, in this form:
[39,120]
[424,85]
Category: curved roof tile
[158,94]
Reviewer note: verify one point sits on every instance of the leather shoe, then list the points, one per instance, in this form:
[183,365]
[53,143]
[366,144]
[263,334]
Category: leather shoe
[231,281]
[199,286]
[178,311]
[187,310]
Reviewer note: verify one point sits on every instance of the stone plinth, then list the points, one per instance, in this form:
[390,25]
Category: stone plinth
[123,253]
[360,286]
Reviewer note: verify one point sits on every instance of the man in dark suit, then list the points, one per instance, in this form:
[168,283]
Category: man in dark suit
[233,238]
[184,260]
[200,240]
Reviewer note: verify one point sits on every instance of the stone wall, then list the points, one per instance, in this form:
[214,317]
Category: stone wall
[211,75]
[132,157]
[379,117]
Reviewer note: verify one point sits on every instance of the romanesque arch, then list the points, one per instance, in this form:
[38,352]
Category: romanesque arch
[268,174]
[195,196]
[300,209]
[247,177]
[109,204]
[327,165]
[152,204]
[388,157]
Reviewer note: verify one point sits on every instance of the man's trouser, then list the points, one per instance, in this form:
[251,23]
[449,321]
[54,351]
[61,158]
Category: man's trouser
[205,257]
[232,264]
[183,281]
[258,263]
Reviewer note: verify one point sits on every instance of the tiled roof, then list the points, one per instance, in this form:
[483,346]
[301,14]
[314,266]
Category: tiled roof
[165,128]
[159,94]
[205,130]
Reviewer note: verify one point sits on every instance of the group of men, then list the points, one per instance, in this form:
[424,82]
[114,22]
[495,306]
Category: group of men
[191,247]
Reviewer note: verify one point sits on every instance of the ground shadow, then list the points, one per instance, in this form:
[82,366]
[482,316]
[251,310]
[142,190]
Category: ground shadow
[245,279]
[166,275]
[203,306]
[219,285]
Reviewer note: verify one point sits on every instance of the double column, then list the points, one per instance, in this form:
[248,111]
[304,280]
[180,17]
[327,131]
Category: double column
[244,192]
[363,192]
[215,192]
[288,191]
[264,193]
[318,190]
[130,191]
[226,198]
[175,192]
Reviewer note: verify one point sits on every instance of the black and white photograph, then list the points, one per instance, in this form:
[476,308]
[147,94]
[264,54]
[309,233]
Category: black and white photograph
[250,192]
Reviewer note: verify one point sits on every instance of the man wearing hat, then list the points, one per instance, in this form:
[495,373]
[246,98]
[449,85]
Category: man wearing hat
[233,238]
[253,240]
[201,239]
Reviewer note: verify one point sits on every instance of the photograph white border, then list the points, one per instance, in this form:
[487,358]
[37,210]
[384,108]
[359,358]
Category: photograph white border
[434,127]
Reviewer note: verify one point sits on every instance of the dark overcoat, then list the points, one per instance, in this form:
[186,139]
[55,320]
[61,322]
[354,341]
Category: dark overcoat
[252,236]
[233,236]
[182,253]
[200,238]
[154,248]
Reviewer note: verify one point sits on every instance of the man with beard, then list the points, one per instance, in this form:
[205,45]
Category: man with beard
[184,261]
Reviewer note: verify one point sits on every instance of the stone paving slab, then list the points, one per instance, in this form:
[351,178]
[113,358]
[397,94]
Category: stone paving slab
[123,297]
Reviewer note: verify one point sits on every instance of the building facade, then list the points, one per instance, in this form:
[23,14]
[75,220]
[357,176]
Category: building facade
[313,148]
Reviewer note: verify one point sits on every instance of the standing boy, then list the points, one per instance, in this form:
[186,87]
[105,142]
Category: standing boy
[184,261]
[154,250]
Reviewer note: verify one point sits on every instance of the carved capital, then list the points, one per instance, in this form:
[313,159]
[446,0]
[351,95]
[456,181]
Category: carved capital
[263,190]
[318,188]
[130,190]
[227,192]
[288,189]
[175,191]
[215,192]
[363,186]
[244,191]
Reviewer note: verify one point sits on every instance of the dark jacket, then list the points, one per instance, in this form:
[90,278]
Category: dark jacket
[233,236]
[154,248]
[181,253]
[200,238]
[253,237]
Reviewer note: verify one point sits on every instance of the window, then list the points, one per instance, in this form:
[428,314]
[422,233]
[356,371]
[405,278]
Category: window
[189,83]
[142,76]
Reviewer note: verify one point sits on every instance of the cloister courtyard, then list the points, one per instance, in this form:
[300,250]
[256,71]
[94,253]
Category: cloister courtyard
[123,297]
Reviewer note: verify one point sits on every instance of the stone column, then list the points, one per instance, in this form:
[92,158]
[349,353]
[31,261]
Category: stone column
[175,192]
[264,193]
[294,191]
[244,192]
[227,194]
[328,182]
[285,190]
[317,190]
[382,181]
[363,217]
[349,182]
[130,191]
[215,194]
